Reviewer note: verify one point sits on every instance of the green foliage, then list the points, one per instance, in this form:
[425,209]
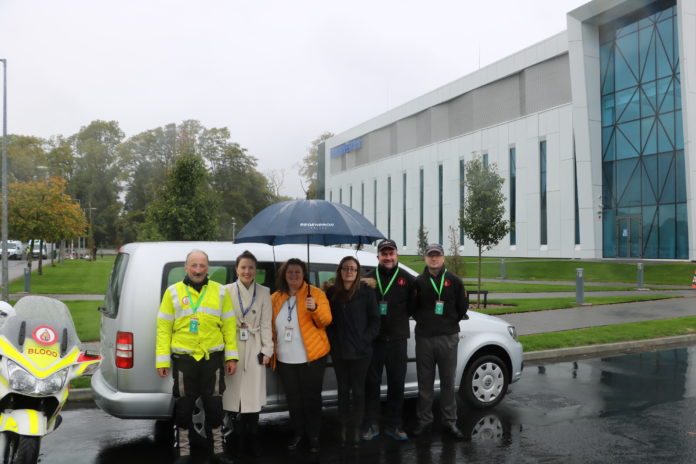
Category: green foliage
[422,241]
[309,169]
[452,261]
[484,207]
[186,208]
[76,276]
[26,158]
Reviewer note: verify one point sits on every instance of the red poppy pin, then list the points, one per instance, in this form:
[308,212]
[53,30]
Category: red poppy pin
[401,281]
[447,283]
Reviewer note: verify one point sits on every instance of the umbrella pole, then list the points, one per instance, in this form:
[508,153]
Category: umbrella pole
[308,271]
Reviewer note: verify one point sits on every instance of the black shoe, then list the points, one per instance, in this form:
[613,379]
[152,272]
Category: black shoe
[421,429]
[453,431]
[356,438]
[222,459]
[313,445]
[294,442]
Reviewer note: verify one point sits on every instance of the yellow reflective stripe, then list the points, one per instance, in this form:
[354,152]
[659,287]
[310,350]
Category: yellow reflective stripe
[10,351]
[227,315]
[33,417]
[165,316]
[212,311]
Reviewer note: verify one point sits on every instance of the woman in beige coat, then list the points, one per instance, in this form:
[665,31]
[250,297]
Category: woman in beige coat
[245,391]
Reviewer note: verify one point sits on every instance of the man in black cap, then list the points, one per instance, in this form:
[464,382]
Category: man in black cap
[440,303]
[394,288]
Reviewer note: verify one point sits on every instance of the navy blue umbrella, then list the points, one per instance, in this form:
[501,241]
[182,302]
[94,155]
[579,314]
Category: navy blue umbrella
[317,222]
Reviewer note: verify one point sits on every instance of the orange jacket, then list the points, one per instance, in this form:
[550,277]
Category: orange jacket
[312,323]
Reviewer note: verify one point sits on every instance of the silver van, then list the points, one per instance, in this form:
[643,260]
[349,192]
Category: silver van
[127,385]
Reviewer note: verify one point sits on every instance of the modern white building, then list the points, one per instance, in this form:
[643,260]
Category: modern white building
[593,130]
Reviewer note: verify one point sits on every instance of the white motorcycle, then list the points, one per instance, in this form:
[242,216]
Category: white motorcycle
[39,356]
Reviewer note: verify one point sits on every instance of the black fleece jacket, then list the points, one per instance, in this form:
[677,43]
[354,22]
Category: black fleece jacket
[355,323]
[429,324]
[394,326]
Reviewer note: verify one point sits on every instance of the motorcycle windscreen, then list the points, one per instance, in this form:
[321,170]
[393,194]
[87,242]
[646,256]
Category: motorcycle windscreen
[47,322]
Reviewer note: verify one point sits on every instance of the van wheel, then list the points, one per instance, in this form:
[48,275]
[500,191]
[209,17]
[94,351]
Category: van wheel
[485,382]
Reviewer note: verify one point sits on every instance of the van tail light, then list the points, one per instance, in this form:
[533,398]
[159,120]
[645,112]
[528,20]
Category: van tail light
[124,350]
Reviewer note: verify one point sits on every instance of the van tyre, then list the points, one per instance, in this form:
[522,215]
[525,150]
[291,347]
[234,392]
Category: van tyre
[485,382]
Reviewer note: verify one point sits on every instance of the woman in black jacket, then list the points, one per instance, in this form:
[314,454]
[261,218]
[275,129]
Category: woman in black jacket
[355,325]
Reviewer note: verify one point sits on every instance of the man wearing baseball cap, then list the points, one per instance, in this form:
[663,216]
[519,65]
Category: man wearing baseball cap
[394,288]
[440,302]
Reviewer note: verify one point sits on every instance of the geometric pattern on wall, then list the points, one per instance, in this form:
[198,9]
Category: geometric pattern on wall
[642,136]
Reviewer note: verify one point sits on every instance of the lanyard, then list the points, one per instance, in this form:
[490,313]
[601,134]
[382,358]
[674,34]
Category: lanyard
[290,308]
[442,282]
[241,305]
[379,282]
[196,304]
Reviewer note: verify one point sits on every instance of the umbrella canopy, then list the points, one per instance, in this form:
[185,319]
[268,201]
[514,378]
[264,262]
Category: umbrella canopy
[317,222]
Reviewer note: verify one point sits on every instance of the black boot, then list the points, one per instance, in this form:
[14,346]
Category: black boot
[252,430]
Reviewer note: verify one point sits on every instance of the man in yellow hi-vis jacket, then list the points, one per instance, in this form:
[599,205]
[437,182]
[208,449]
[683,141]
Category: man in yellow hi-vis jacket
[196,338]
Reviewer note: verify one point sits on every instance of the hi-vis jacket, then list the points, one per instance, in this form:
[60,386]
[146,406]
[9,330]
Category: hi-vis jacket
[216,327]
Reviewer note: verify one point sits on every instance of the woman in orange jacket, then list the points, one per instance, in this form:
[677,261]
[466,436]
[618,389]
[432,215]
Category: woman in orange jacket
[300,317]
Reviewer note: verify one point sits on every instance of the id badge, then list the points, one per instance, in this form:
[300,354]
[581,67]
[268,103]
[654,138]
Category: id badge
[288,334]
[383,308]
[193,325]
[439,307]
[243,333]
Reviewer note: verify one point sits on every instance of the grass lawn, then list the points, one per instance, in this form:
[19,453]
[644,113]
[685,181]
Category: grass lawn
[541,304]
[73,276]
[86,318]
[503,287]
[564,270]
[610,334]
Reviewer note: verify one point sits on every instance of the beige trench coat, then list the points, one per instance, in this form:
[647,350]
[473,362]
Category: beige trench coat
[245,390]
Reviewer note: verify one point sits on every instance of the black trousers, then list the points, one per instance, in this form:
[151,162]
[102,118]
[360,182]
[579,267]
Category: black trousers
[350,379]
[302,384]
[198,404]
[391,356]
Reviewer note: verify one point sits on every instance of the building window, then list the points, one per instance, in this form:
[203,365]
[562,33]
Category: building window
[439,203]
[403,212]
[421,190]
[389,191]
[340,195]
[330,195]
[643,173]
[350,197]
[485,160]
[575,183]
[543,232]
[513,195]
[374,203]
[362,198]
[462,168]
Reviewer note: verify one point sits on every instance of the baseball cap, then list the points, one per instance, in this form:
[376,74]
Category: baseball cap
[386,244]
[434,248]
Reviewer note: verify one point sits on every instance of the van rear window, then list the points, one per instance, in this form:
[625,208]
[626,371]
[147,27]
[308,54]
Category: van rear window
[115,285]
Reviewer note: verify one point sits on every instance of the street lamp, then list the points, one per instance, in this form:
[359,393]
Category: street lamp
[5,271]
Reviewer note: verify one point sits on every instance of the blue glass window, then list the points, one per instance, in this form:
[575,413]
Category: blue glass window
[644,181]
[513,195]
[543,232]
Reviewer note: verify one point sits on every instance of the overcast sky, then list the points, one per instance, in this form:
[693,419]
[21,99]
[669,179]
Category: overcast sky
[277,73]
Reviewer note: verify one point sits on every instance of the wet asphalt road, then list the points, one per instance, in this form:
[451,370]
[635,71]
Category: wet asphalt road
[636,408]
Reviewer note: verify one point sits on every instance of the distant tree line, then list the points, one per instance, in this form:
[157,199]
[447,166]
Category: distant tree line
[176,182]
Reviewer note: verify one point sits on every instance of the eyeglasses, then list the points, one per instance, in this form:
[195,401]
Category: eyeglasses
[349,269]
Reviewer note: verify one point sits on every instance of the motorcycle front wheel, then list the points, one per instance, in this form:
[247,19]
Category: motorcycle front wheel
[21,449]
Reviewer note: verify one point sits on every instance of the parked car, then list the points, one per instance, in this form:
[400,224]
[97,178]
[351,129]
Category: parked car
[38,249]
[127,385]
[15,250]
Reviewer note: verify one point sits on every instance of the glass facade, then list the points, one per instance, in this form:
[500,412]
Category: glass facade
[513,195]
[462,169]
[374,203]
[403,202]
[421,188]
[644,182]
[439,204]
[350,197]
[389,190]
[543,225]
[362,198]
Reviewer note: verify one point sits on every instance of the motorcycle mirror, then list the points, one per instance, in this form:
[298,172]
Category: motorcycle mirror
[22,332]
[64,343]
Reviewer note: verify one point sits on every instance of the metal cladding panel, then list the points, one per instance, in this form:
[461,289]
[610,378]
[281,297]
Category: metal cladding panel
[406,135]
[495,103]
[547,84]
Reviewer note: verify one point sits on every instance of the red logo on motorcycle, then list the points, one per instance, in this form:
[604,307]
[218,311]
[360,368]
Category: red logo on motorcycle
[44,335]
[401,281]
[447,283]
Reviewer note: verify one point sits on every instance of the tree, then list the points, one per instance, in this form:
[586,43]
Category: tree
[422,240]
[484,206]
[452,261]
[309,169]
[97,175]
[26,158]
[42,210]
[186,208]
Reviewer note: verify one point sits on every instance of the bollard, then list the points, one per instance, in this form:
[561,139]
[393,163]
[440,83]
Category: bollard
[502,268]
[640,275]
[579,287]
[27,276]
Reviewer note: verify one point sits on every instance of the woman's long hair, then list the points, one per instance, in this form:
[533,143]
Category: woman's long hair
[340,292]
[281,283]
